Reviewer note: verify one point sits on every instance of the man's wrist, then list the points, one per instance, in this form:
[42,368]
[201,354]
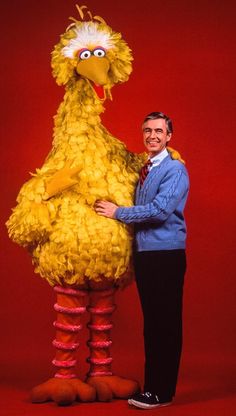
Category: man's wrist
[116,213]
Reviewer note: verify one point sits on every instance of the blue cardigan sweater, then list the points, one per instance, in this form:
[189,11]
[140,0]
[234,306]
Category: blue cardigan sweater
[159,205]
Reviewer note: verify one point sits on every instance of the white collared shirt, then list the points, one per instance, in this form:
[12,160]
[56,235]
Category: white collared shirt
[156,160]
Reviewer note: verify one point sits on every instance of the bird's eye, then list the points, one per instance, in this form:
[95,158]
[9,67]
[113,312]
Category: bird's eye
[85,54]
[99,52]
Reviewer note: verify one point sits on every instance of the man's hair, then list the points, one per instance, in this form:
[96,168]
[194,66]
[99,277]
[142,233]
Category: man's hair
[156,115]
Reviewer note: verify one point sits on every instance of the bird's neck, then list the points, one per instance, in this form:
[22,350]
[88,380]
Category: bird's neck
[80,101]
[79,109]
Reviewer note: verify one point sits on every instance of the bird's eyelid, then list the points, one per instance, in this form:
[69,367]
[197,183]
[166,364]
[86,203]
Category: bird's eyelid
[100,47]
[82,50]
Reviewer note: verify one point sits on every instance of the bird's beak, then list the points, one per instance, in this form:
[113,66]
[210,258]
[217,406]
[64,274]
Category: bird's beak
[95,69]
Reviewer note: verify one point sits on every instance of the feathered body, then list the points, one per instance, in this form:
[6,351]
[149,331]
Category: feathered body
[68,241]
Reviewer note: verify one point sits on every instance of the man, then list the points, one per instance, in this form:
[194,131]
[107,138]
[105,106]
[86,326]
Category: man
[159,259]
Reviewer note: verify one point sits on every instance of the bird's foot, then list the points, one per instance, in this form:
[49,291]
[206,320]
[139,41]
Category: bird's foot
[108,387]
[63,391]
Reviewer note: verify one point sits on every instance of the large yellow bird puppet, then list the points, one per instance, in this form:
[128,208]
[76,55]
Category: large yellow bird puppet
[84,256]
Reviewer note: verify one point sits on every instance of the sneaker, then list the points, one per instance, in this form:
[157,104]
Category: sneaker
[148,400]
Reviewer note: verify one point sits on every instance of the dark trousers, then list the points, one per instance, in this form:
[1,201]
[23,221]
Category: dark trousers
[160,279]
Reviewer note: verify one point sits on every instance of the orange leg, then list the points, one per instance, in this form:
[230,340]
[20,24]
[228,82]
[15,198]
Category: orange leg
[100,375]
[65,387]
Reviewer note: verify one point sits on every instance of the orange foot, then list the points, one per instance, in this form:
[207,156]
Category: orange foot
[63,391]
[108,387]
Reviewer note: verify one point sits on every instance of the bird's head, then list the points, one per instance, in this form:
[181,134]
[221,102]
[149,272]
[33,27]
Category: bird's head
[93,51]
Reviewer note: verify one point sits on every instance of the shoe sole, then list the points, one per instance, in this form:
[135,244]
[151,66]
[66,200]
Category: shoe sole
[147,406]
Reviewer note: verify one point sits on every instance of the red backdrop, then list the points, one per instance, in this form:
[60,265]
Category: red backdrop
[183,65]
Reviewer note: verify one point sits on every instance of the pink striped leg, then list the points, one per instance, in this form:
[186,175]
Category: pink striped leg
[101,308]
[100,374]
[69,307]
[65,387]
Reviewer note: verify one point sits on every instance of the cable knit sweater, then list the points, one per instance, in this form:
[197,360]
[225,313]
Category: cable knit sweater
[159,205]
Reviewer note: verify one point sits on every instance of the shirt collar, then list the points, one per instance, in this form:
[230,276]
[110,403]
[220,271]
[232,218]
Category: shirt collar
[156,160]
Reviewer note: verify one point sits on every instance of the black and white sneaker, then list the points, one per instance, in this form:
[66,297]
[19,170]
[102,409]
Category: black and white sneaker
[148,400]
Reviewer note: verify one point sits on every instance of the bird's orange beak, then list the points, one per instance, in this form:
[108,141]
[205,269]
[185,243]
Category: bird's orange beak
[96,70]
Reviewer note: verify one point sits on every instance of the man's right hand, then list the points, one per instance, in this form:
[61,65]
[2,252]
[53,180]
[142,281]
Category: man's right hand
[105,208]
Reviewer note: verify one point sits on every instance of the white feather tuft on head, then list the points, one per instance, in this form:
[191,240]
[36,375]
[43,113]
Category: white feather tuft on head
[86,36]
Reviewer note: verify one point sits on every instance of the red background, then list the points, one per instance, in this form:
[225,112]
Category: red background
[184,65]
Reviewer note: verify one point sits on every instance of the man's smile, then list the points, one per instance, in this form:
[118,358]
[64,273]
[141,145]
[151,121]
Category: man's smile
[153,141]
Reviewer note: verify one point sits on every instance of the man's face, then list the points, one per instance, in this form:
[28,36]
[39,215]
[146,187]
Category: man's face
[155,136]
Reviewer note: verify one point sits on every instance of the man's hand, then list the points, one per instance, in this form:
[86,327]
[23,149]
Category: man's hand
[105,208]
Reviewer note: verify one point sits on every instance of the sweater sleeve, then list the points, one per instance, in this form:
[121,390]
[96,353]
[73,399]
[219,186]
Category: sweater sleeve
[173,188]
